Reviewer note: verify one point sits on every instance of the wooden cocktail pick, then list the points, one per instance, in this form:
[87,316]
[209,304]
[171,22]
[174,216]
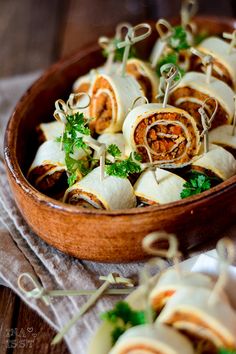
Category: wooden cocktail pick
[232,37]
[207,121]
[207,61]
[130,39]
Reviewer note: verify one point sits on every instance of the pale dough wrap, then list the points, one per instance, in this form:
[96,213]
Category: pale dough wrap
[158,186]
[223,136]
[110,193]
[48,166]
[109,139]
[146,77]
[224,62]
[191,311]
[83,83]
[148,339]
[171,281]
[50,131]
[112,96]
[193,90]
[218,161]
[168,136]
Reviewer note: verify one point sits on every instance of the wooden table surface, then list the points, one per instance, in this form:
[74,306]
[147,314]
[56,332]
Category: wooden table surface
[33,34]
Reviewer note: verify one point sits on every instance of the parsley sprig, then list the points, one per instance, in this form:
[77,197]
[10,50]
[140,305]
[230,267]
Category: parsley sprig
[123,318]
[119,52]
[170,58]
[72,140]
[226,351]
[196,184]
[179,39]
[122,168]
[177,42]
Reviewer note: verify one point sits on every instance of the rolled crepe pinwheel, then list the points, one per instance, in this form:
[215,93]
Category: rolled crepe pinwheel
[111,98]
[110,193]
[50,131]
[193,90]
[109,139]
[146,77]
[83,83]
[48,168]
[148,339]
[203,314]
[224,59]
[217,162]
[223,136]
[167,137]
[189,311]
[158,186]
[171,281]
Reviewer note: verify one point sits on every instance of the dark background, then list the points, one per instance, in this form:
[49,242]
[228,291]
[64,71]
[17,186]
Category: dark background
[35,33]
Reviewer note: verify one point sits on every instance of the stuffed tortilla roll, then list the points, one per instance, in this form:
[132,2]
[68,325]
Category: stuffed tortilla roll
[223,136]
[110,193]
[148,339]
[224,60]
[167,136]
[217,162]
[146,77]
[190,311]
[50,131]
[111,98]
[83,83]
[171,281]
[109,139]
[158,187]
[48,168]
[193,91]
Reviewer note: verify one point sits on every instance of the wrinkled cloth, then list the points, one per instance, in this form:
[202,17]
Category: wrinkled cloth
[23,251]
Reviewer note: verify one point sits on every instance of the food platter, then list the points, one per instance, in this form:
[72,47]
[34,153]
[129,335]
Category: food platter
[97,234]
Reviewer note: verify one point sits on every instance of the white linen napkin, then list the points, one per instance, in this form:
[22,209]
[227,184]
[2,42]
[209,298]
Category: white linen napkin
[22,251]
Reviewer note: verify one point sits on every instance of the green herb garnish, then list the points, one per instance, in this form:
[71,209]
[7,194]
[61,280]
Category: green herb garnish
[179,40]
[114,150]
[171,58]
[71,140]
[119,52]
[200,37]
[123,168]
[196,184]
[123,318]
[226,351]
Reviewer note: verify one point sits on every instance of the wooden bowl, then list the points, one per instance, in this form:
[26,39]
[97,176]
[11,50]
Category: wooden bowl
[113,236]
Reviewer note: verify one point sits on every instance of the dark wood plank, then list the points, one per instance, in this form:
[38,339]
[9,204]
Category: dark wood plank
[89,19]
[28,34]
[7,303]
[33,335]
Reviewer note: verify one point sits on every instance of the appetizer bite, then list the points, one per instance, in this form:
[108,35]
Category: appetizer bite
[190,312]
[109,193]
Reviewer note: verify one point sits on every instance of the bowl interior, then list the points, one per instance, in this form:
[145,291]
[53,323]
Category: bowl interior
[37,105]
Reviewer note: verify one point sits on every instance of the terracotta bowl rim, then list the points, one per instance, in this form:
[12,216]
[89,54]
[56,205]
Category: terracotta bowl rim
[18,176]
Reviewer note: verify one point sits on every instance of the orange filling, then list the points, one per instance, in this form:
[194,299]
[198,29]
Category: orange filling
[159,301]
[169,140]
[196,65]
[101,108]
[221,116]
[138,347]
[190,318]
[83,87]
